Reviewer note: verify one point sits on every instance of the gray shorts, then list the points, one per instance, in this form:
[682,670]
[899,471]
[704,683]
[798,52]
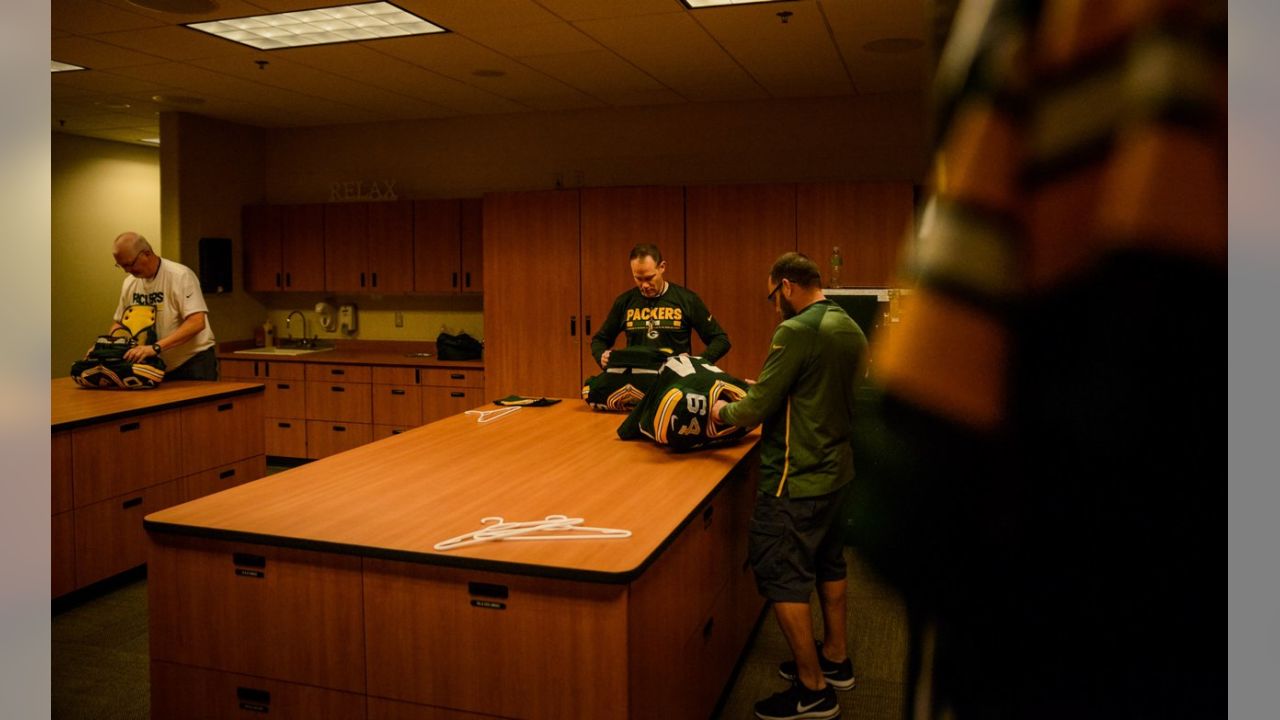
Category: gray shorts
[795,542]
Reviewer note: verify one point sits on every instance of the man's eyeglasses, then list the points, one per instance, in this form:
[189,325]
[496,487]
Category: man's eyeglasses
[775,290]
[129,265]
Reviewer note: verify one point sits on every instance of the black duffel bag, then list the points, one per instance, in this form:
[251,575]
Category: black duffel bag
[458,347]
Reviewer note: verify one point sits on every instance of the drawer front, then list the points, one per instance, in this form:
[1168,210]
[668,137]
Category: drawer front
[63,553]
[351,402]
[239,369]
[115,458]
[109,534]
[287,437]
[386,431]
[383,709]
[387,375]
[60,472]
[284,398]
[338,373]
[330,437]
[270,612]
[441,402]
[222,431]
[427,628]
[277,370]
[191,693]
[446,377]
[221,478]
[397,405]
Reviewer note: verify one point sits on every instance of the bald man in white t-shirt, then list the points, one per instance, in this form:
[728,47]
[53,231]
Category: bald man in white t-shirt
[184,340]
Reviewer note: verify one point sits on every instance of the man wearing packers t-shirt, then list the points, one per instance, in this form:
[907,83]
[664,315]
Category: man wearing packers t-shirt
[657,313]
[805,398]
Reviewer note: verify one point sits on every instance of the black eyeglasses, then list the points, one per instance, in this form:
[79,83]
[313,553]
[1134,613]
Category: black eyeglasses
[775,290]
[129,265]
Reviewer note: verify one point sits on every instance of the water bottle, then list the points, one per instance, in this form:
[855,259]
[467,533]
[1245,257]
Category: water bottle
[833,280]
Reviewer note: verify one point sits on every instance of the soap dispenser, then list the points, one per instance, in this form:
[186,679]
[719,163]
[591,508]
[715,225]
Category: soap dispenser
[268,334]
[347,319]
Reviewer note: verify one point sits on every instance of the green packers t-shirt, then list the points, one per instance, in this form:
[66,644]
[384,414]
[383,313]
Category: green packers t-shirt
[664,322]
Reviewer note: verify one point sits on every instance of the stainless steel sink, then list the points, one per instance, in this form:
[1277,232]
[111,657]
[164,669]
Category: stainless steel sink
[281,351]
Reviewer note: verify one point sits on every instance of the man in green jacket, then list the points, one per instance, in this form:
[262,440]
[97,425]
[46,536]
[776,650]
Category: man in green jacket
[805,398]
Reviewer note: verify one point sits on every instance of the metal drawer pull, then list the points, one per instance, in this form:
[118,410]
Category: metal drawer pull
[284,425]
[226,474]
[457,394]
[457,376]
[282,386]
[249,560]
[337,371]
[131,502]
[339,428]
[130,427]
[397,392]
[225,407]
[338,388]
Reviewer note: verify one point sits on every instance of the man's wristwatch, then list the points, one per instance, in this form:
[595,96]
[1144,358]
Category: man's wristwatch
[156,348]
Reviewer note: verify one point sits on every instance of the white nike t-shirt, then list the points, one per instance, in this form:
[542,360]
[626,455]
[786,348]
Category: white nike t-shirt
[175,291]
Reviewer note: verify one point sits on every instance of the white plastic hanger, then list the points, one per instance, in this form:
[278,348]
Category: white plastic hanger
[499,529]
[484,416]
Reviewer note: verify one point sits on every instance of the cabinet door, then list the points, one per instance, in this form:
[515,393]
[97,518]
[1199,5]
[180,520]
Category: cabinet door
[436,246]
[109,534]
[472,231]
[441,402]
[349,402]
[391,247]
[221,432]
[114,458]
[531,302]
[735,233]
[270,612]
[287,437]
[285,398]
[178,691]
[302,247]
[869,221]
[346,247]
[614,220]
[399,405]
[261,230]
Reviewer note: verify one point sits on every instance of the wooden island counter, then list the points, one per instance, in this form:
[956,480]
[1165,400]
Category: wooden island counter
[317,593]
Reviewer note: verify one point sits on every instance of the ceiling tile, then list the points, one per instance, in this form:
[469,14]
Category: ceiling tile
[594,9]
[534,39]
[856,24]
[175,42]
[457,57]
[625,98]
[97,55]
[594,72]
[789,59]
[119,81]
[464,16]
[84,17]
[223,9]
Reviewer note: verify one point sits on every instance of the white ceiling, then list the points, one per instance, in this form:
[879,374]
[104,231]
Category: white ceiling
[552,55]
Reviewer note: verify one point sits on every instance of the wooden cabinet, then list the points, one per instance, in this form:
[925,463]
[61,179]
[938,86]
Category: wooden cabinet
[222,478]
[368,247]
[178,691]
[530,248]
[109,534]
[237,424]
[424,623]
[63,553]
[447,246]
[397,399]
[271,612]
[114,458]
[448,392]
[868,221]
[735,233]
[60,473]
[615,220]
[284,402]
[339,408]
[284,247]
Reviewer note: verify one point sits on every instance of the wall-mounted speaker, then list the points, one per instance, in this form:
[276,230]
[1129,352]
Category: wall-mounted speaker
[215,265]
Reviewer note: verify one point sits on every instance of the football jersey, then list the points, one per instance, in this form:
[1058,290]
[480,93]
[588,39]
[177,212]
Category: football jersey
[676,411]
[618,389]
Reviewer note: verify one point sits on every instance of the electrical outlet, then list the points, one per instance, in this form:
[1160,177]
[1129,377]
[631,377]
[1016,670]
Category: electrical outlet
[399,319]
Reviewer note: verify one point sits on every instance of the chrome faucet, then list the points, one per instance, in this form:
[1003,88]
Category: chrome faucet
[288,324]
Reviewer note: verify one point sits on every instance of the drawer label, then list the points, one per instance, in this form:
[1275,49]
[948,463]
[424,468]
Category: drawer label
[245,572]
[255,707]
[489,604]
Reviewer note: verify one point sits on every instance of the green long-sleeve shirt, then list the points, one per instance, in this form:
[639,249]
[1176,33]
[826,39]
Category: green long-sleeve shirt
[805,398]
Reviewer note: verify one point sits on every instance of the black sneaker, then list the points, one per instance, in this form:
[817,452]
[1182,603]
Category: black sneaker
[839,675]
[799,702]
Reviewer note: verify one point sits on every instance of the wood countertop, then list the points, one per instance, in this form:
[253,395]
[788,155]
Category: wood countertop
[74,406]
[404,354]
[396,498]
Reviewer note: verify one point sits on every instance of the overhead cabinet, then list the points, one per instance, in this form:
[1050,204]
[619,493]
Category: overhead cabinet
[284,247]
[368,247]
[447,246]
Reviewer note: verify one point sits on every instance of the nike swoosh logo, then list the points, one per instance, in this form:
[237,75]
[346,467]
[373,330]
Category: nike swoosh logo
[806,708]
[188,294]
[777,347]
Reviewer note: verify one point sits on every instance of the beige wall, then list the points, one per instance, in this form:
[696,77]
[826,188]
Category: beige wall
[98,190]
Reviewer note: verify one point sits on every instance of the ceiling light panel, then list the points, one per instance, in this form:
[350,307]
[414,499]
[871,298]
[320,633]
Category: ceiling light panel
[55,66]
[320,26]
[695,4]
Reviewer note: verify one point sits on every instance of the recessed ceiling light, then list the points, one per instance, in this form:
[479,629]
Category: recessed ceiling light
[178,99]
[55,66]
[695,4]
[892,46]
[488,73]
[150,141]
[113,104]
[320,26]
[178,7]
